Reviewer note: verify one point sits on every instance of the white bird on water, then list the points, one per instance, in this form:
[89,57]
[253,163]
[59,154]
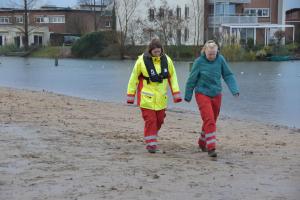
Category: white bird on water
[242,73]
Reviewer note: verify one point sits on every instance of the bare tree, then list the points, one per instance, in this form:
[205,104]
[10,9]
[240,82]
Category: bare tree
[163,23]
[92,5]
[27,5]
[125,10]
[197,15]
[279,35]
[167,22]
[76,24]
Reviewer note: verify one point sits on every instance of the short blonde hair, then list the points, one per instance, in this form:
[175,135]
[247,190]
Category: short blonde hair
[210,44]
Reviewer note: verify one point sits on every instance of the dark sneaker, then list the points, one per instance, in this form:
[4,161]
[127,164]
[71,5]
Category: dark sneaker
[204,149]
[212,153]
[152,149]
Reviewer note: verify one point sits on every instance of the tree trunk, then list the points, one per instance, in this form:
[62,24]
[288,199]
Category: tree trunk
[95,17]
[26,36]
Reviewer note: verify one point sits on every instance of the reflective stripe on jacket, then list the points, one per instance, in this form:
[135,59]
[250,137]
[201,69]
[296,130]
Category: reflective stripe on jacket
[152,95]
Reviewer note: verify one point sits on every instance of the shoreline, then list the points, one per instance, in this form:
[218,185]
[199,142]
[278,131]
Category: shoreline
[115,58]
[172,109]
[60,147]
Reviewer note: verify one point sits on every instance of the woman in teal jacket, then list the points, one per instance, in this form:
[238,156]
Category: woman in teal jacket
[205,79]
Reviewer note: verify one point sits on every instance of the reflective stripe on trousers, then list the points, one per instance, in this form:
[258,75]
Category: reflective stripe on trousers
[209,108]
[153,121]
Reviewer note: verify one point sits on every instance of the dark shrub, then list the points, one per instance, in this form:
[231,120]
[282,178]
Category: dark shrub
[91,44]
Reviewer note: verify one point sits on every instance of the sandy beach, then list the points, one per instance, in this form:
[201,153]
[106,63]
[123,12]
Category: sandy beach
[58,147]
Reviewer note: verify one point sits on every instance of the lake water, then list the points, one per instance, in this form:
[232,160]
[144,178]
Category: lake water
[270,91]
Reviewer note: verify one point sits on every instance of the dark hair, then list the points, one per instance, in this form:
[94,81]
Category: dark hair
[155,43]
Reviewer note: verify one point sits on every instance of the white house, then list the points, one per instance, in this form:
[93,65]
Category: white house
[12,34]
[178,22]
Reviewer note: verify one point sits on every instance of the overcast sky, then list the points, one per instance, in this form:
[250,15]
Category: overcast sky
[62,3]
[71,3]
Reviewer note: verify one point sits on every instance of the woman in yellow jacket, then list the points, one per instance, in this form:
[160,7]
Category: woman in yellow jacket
[151,74]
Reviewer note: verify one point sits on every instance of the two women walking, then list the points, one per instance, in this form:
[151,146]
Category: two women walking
[154,71]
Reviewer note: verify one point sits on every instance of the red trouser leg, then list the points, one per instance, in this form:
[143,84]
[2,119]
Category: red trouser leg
[160,115]
[153,121]
[209,109]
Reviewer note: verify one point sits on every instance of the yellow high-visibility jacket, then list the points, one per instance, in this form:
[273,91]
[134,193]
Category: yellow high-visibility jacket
[152,95]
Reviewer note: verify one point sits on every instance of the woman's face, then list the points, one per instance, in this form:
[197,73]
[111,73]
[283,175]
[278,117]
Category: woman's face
[156,52]
[211,54]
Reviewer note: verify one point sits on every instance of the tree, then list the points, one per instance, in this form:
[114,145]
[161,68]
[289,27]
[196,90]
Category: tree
[166,23]
[26,5]
[92,4]
[197,14]
[125,10]
[161,22]
[77,25]
[90,44]
[279,35]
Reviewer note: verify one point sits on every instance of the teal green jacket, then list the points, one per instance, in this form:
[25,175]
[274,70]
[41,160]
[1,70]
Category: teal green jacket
[205,77]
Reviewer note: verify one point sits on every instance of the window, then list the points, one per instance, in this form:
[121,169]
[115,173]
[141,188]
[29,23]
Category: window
[108,12]
[170,13]
[107,24]
[151,14]
[265,12]
[186,34]
[186,12]
[253,12]
[40,19]
[225,9]
[260,12]
[4,20]
[178,12]
[219,9]
[161,13]
[178,34]
[231,9]
[38,40]
[19,19]
[57,19]
[170,34]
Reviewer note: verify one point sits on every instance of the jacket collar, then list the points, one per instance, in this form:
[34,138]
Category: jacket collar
[204,56]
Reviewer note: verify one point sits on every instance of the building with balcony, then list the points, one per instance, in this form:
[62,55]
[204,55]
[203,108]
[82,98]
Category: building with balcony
[245,20]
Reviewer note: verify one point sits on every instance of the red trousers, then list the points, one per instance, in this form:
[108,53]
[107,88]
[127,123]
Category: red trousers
[153,121]
[209,108]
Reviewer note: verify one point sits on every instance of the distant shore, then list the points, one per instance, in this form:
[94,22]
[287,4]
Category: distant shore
[58,147]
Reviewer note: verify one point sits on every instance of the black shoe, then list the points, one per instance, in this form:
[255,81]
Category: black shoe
[152,149]
[212,153]
[204,149]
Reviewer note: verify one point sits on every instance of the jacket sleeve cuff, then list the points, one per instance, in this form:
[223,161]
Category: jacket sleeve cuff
[130,98]
[177,97]
[188,98]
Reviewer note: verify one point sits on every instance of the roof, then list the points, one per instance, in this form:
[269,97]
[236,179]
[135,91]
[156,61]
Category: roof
[260,25]
[292,10]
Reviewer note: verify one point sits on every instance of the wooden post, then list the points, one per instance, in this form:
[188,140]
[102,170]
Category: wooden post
[56,61]
[190,66]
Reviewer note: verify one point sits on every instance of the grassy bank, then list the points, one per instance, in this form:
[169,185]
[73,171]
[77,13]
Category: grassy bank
[233,53]
[52,52]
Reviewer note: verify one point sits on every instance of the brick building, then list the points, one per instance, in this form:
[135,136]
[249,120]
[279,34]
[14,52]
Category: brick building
[51,23]
[293,18]
[255,20]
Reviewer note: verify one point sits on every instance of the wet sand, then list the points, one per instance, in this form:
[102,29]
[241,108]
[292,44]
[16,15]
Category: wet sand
[58,147]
